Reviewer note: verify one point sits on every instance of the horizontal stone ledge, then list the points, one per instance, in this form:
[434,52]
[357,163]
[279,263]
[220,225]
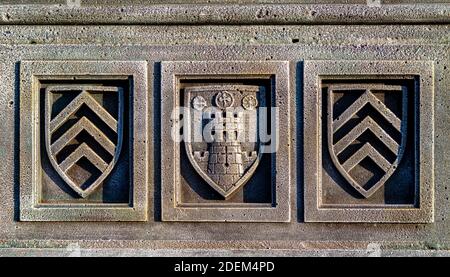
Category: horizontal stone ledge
[226,14]
[118,252]
[287,245]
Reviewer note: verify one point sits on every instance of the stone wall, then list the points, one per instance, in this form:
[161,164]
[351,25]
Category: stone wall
[353,96]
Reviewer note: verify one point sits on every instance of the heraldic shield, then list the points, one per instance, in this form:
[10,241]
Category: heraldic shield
[367,127]
[225,118]
[83,133]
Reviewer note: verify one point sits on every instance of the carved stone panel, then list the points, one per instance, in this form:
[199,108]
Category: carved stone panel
[226,162]
[217,165]
[368,162]
[83,141]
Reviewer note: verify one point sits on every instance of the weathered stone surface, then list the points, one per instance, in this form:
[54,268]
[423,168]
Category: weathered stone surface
[299,201]
[372,160]
[82,136]
[229,13]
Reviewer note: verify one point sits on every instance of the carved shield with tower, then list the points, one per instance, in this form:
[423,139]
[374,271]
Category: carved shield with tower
[222,143]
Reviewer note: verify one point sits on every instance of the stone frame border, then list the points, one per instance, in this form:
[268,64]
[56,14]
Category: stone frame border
[171,71]
[30,208]
[313,145]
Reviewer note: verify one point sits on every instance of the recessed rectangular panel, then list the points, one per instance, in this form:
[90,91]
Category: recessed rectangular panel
[79,116]
[372,125]
[219,167]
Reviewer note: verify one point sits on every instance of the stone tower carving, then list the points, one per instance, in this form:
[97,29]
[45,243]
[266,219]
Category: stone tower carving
[227,161]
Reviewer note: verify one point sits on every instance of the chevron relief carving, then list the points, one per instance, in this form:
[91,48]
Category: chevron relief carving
[374,139]
[83,138]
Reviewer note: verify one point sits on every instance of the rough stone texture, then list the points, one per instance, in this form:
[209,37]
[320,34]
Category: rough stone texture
[225,14]
[279,32]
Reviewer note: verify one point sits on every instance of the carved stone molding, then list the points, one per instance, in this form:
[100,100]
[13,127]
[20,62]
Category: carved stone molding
[228,178]
[367,160]
[83,133]
[363,12]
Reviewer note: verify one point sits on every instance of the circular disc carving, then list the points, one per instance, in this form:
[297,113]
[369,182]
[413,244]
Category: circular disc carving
[224,99]
[250,102]
[199,103]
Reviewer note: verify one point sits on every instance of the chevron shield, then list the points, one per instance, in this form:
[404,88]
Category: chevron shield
[83,133]
[367,126]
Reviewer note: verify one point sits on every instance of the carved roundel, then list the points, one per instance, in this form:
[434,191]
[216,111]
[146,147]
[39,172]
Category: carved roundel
[224,99]
[250,102]
[199,103]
